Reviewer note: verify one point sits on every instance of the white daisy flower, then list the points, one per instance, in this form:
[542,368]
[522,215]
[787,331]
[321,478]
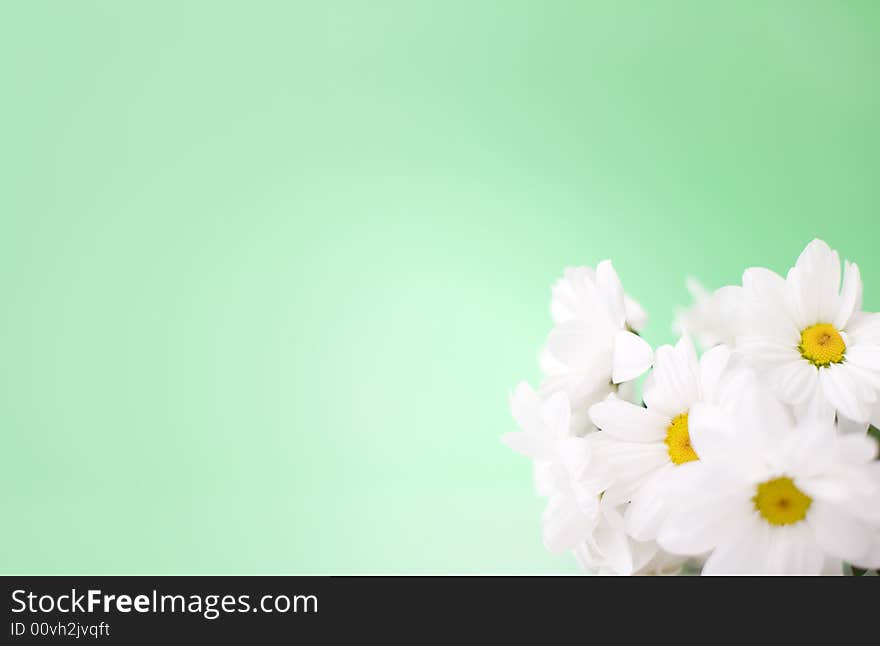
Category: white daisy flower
[609,550]
[560,466]
[713,316]
[639,450]
[593,347]
[807,333]
[771,497]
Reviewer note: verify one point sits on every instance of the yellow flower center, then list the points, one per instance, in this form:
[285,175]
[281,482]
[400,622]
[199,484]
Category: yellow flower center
[780,502]
[678,439]
[822,345]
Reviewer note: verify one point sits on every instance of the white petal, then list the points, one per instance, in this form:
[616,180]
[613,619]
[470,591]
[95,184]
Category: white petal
[810,447]
[636,317]
[575,295]
[832,566]
[766,294]
[609,284]
[578,343]
[838,533]
[525,405]
[826,488]
[575,454]
[647,510]
[793,550]
[743,551]
[627,391]
[712,365]
[871,560]
[848,426]
[842,392]
[582,388]
[762,351]
[759,416]
[688,353]
[795,380]
[764,284]
[713,432]
[545,477]
[692,530]
[729,302]
[632,356]
[858,448]
[864,355]
[586,559]
[556,413]
[850,295]
[768,411]
[614,547]
[643,552]
[532,445]
[816,279]
[864,327]
[868,379]
[621,467]
[565,525]
[675,378]
[628,422]
[655,398]
[816,408]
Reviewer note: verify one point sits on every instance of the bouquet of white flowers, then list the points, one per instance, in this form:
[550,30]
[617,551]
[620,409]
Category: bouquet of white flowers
[757,457]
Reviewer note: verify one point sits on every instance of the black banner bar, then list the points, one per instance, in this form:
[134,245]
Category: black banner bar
[130,610]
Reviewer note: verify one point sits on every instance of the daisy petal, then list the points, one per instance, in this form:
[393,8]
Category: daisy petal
[742,552]
[816,408]
[548,478]
[850,295]
[632,356]
[675,377]
[697,528]
[796,381]
[655,398]
[613,544]
[871,561]
[713,432]
[849,427]
[763,351]
[816,281]
[828,489]
[628,422]
[636,317]
[575,295]
[865,356]
[525,405]
[837,532]
[857,448]
[712,366]
[565,525]
[556,413]
[864,327]
[646,512]
[574,454]
[537,447]
[764,284]
[841,391]
[609,284]
[574,343]
[688,353]
[793,550]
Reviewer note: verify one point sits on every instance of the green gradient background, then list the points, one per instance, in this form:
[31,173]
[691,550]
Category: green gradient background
[268,272]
